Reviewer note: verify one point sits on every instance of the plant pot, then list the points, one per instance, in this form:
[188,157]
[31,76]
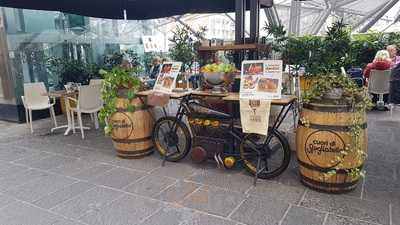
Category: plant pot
[306,83]
[131,131]
[320,141]
[63,106]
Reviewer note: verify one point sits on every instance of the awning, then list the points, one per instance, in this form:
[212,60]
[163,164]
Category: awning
[133,9]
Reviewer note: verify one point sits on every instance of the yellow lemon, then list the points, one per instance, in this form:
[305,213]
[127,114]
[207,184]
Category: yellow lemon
[198,122]
[215,123]
[207,123]
[229,162]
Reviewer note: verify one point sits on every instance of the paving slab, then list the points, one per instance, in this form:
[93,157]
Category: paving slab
[272,189]
[260,211]
[231,180]
[175,215]
[150,185]
[126,210]
[92,172]
[177,192]
[13,180]
[62,195]
[117,177]
[86,202]
[214,200]
[305,215]
[39,188]
[23,214]
[339,220]
[375,212]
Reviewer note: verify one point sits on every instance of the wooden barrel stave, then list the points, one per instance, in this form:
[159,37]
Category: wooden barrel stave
[327,122]
[132,130]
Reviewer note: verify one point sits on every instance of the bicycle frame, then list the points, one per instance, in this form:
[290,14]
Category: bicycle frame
[185,110]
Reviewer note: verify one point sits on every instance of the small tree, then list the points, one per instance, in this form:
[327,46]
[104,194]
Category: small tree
[185,45]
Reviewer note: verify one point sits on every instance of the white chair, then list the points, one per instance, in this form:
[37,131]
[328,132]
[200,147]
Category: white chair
[36,98]
[379,83]
[96,82]
[89,101]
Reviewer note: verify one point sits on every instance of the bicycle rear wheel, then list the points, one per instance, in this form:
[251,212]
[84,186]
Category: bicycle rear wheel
[271,158]
[172,137]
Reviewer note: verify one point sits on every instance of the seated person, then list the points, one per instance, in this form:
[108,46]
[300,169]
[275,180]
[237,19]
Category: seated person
[382,61]
[392,49]
[156,67]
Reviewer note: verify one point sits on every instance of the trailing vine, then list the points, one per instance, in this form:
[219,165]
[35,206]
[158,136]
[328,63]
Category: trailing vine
[360,101]
[117,79]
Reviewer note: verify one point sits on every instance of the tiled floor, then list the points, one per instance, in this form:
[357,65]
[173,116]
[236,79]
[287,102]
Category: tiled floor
[56,180]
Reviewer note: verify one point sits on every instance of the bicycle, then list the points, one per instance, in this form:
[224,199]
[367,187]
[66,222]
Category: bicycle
[263,157]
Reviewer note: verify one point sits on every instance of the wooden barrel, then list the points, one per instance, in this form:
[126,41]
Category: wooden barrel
[321,139]
[131,133]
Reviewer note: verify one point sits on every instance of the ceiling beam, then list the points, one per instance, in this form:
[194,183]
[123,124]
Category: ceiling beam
[317,27]
[378,16]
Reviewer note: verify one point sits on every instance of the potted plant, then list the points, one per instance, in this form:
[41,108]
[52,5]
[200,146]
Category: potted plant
[332,137]
[127,120]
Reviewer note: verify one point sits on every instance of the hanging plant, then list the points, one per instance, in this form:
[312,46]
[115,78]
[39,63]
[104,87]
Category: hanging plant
[117,79]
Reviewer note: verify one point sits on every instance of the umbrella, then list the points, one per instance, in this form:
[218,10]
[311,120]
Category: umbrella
[128,9]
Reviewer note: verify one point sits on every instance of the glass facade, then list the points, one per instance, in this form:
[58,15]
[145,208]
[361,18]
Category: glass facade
[33,37]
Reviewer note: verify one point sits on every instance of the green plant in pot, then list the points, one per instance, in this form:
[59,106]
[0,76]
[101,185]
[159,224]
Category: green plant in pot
[332,132]
[128,120]
[117,82]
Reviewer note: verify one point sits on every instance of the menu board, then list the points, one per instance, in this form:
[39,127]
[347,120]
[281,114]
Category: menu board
[166,79]
[152,44]
[261,79]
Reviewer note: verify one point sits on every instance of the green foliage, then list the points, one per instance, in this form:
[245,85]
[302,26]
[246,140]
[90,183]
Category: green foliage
[115,59]
[337,45]
[114,80]
[70,70]
[307,51]
[185,45]
[360,101]
[365,46]
[279,34]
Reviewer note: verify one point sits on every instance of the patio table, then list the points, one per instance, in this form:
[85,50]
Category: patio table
[65,95]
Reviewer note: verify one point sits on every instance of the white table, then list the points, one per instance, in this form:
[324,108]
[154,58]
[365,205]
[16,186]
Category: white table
[64,94]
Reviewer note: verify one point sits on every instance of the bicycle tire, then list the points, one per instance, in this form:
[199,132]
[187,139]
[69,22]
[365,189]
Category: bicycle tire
[162,150]
[251,167]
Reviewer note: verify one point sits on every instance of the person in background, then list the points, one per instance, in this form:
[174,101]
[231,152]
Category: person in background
[382,61]
[155,68]
[395,59]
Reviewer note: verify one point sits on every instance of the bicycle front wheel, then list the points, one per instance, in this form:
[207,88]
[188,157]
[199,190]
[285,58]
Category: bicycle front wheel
[266,156]
[172,138]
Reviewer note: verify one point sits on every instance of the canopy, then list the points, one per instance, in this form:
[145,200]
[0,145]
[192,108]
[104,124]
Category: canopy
[135,9]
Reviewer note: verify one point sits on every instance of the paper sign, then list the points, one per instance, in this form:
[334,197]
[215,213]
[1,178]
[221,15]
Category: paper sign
[254,116]
[166,79]
[152,44]
[261,79]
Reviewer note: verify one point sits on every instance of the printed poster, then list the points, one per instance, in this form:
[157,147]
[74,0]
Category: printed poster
[261,79]
[152,43]
[166,79]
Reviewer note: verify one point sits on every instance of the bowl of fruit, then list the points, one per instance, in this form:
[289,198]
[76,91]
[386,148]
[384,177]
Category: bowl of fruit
[217,75]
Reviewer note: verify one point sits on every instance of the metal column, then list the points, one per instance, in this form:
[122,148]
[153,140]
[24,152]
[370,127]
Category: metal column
[240,9]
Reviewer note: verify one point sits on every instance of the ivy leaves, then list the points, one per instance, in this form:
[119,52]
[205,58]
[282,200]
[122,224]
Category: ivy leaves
[116,79]
[360,101]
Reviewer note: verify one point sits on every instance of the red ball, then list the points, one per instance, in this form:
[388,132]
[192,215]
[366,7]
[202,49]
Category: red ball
[198,154]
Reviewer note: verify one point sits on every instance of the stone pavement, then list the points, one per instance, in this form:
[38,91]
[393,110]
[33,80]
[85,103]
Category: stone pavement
[56,180]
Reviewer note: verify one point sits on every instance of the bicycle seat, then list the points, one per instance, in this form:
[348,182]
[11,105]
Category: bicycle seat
[201,111]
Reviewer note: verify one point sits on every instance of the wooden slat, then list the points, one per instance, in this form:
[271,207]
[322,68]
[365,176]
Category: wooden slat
[285,100]
[233,47]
